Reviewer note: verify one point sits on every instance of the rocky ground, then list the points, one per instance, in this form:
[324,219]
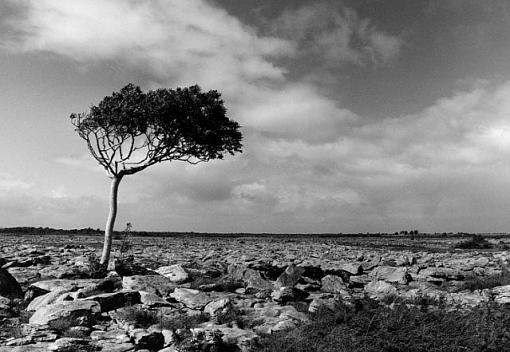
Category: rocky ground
[220,294]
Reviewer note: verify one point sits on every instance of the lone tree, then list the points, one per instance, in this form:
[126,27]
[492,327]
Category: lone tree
[132,130]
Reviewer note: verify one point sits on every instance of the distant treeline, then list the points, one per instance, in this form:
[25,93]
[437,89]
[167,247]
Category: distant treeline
[48,231]
[93,232]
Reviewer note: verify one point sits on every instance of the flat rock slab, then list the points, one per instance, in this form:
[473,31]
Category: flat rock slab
[176,273]
[501,294]
[47,299]
[193,299]
[38,347]
[391,274]
[112,346]
[351,268]
[115,300]
[380,289]
[157,284]
[64,284]
[152,299]
[72,313]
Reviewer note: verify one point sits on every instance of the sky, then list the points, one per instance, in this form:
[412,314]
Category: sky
[357,115]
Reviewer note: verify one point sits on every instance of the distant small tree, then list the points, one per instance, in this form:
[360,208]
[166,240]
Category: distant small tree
[132,130]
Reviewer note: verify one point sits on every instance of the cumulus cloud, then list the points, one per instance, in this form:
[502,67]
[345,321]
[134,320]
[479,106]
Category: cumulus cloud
[182,43]
[337,35]
[157,34]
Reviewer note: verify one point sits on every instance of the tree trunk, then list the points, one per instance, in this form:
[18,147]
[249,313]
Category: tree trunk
[108,232]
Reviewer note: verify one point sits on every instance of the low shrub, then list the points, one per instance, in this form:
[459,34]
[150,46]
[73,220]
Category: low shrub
[401,328]
[475,242]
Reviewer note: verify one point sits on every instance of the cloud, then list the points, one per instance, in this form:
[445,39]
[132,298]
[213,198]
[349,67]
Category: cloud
[451,158]
[84,161]
[337,36]
[182,43]
[23,204]
[157,34]
[9,183]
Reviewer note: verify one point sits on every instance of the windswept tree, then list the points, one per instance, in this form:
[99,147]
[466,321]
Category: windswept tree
[131,130]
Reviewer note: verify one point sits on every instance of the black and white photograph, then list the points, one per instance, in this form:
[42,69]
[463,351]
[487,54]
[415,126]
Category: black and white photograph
[255,175]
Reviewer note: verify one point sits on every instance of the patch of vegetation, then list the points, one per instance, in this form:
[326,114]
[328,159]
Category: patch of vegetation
[402,328]
[234,318]
[421,301]
[79,348]
[475,242]
[184,321]
[136,314]
[10,329]
[220,284]
[125,245]
[489,281]
[95,270]
[210,341]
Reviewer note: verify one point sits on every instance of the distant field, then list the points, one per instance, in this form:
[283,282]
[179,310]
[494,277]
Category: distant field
[418,242]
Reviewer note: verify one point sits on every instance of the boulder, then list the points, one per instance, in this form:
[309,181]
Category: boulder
[150,340]
[254,282]
[67,343]
[380,289]
[333,284]
[49,298]
[193,299]
[219,306]
[65,284]
[115,300]
[501,294]
[9,287]
[157,284]
[289,277]
[38,347]
[351,268]
[69,313]
[393,274]
[127,267]
[283,295]
[175,273]
[152,300]
[31,261]
[324,302]
[439,275]
[236,336]
[467,299]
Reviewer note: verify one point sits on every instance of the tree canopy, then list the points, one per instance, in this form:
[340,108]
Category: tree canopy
[132,130]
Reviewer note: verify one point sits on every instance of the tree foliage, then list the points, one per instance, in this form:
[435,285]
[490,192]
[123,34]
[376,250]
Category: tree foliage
[132,130]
